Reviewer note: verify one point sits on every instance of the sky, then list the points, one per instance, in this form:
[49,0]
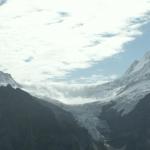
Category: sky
[75,41]
[116,65]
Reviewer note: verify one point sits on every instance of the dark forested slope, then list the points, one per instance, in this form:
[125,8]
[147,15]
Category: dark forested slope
[26,124]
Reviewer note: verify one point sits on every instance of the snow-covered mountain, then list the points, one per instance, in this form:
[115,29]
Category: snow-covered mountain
[134,85]
[127,90]
[6,79]
[122,95]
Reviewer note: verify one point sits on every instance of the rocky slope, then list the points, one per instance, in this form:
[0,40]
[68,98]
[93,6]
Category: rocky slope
[28,123]
[131,131]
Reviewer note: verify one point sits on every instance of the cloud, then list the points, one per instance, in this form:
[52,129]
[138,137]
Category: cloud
[92,80]
[78,92]
[45,39]
[2,2]
[81,91]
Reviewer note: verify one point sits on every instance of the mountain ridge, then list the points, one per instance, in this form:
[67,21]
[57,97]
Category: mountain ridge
[26,123]
[6,79]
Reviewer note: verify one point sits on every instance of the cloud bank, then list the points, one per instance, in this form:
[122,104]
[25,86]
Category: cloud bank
[41,40]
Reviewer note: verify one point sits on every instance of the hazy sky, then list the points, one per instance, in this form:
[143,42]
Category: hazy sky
[75,40]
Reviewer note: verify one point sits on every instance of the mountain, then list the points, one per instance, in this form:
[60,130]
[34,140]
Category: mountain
[135,85]
[131,131]
[121,95]
[127,90]
[121,105]
[28,123]
[6,79]
[117,120]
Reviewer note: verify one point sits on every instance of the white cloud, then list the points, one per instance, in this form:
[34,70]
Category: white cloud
[81,91]
[94,79]
[41,39]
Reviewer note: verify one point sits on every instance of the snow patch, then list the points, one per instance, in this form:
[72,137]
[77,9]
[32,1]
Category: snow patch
[6,79]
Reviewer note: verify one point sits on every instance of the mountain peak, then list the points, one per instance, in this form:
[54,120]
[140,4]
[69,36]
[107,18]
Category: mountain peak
[132,67]
[147,55]
[6,79]
[140,65]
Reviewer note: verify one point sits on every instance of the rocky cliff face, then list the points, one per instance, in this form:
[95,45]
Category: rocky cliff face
[131,131]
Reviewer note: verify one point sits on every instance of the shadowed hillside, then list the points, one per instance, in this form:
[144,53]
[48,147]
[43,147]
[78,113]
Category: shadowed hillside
[27,124]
